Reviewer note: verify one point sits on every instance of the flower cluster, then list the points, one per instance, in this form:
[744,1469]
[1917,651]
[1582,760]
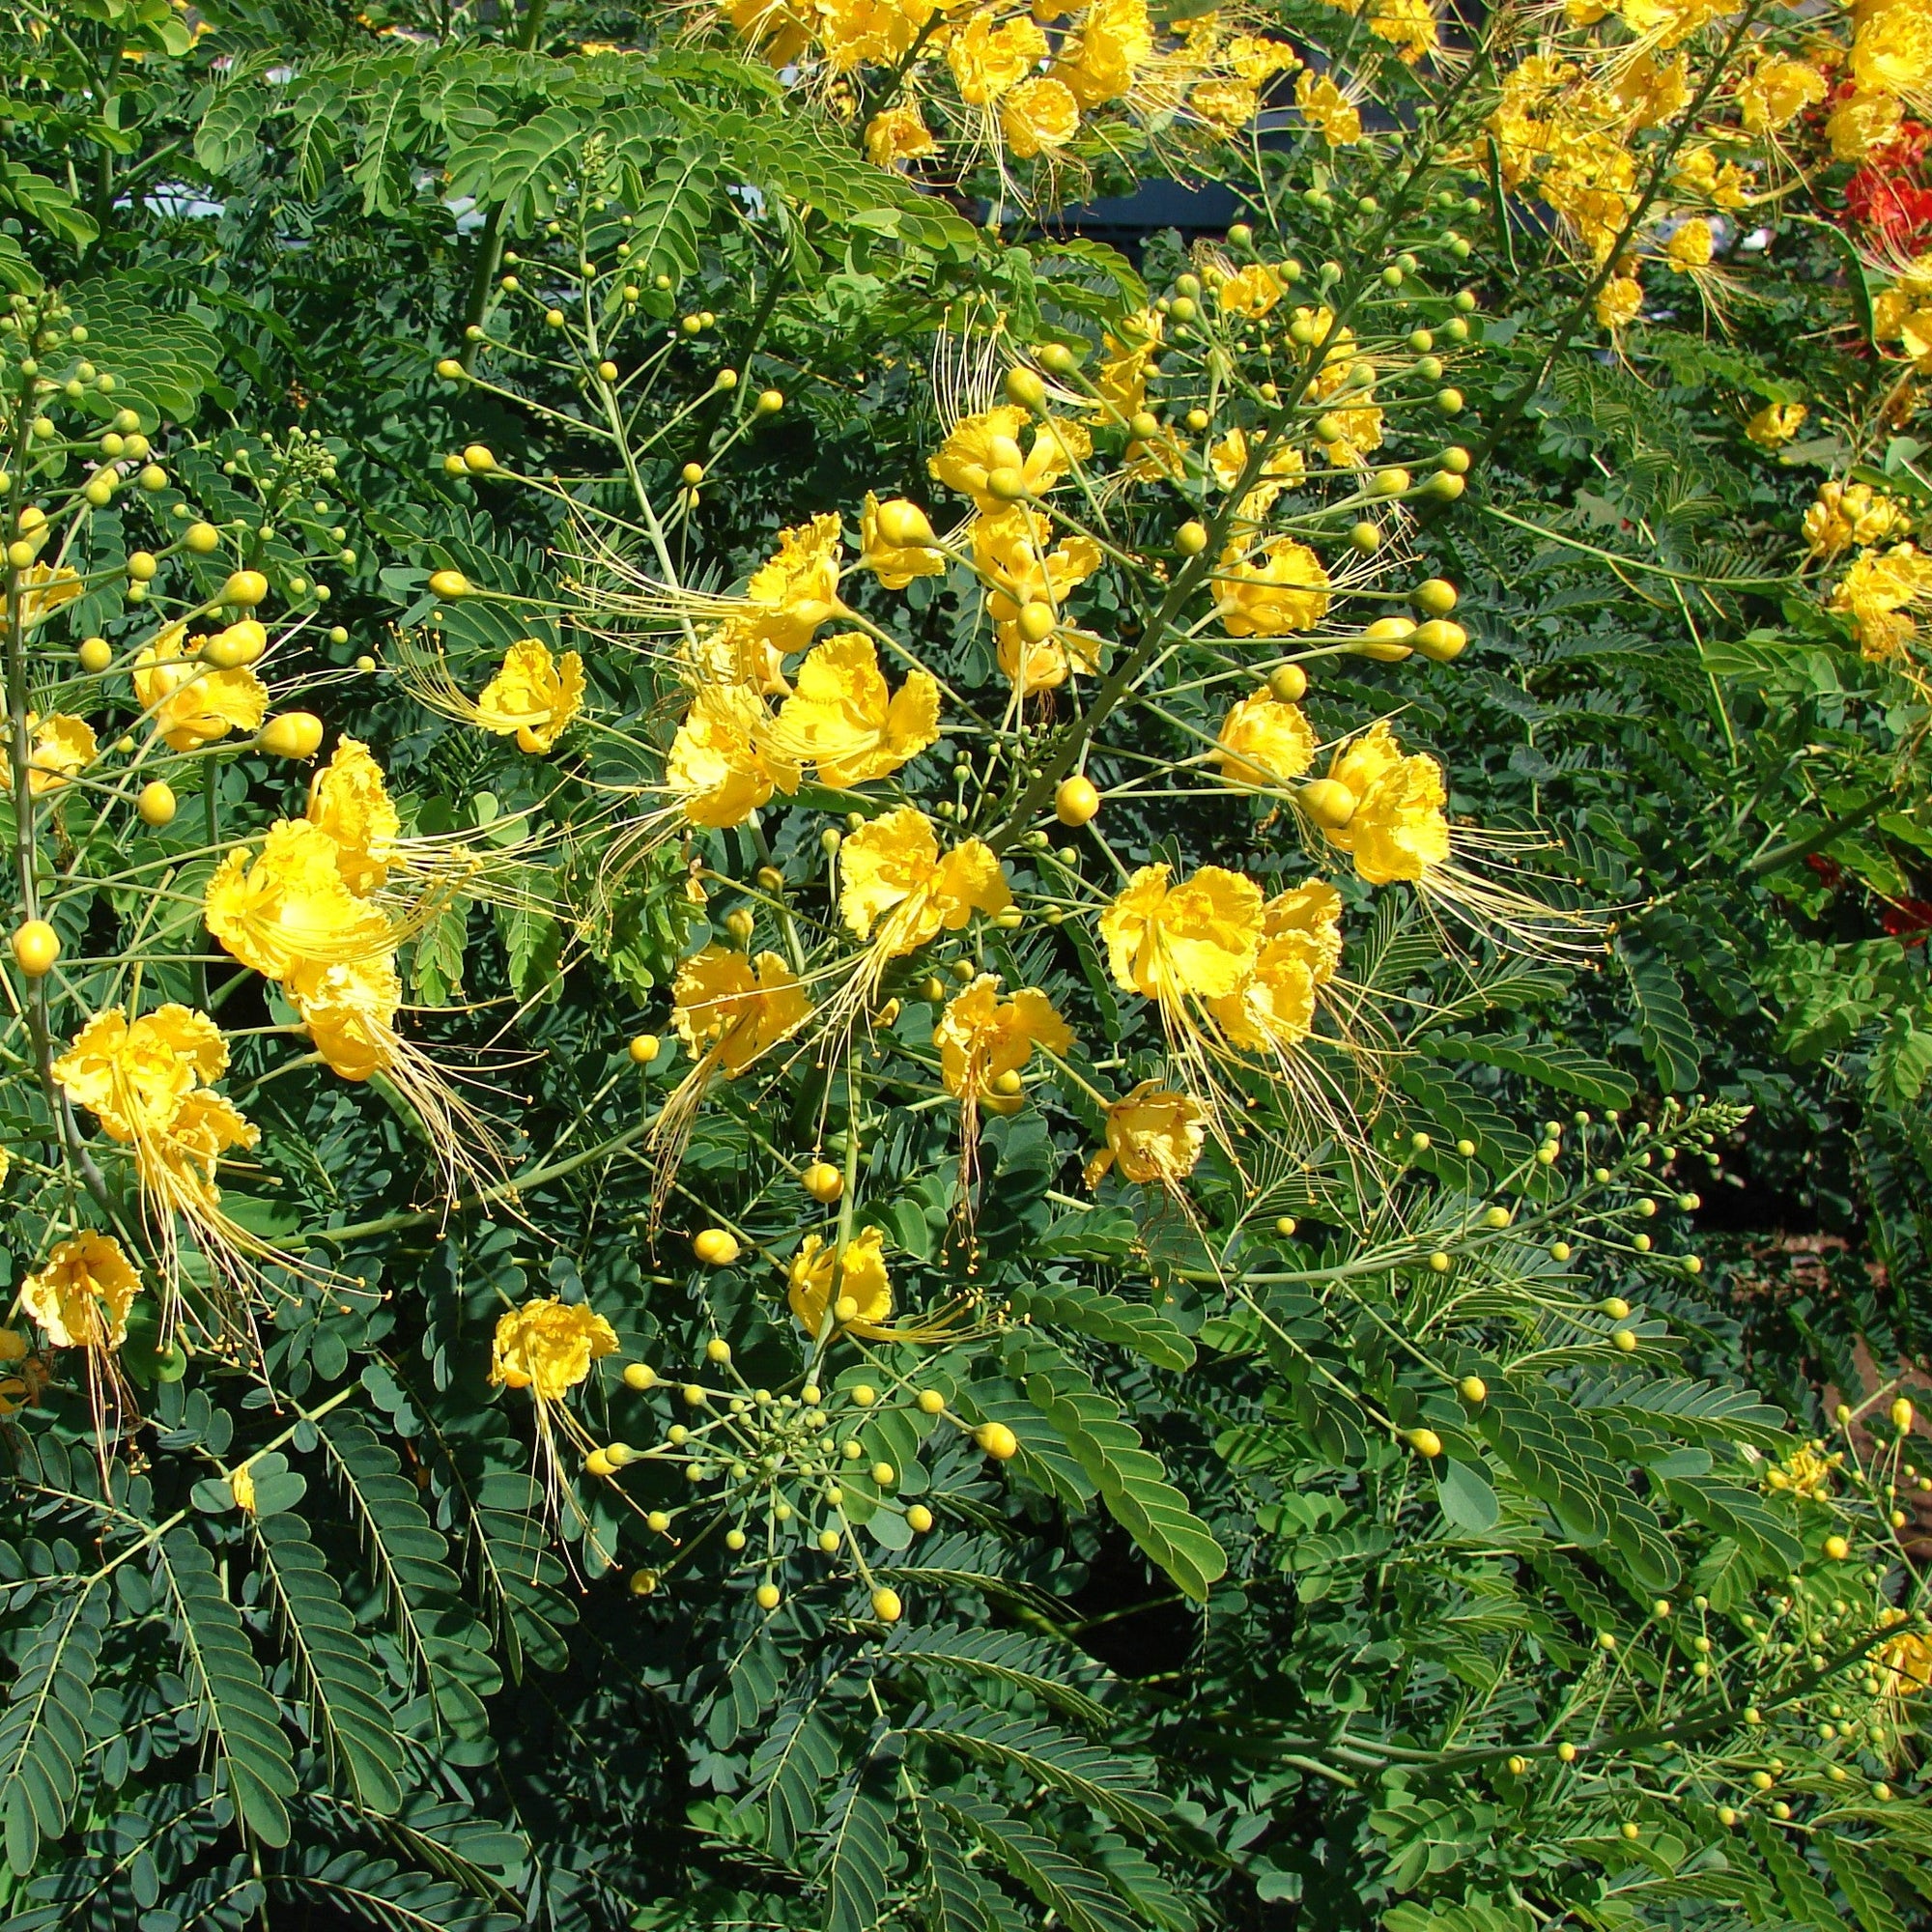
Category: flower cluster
[944,83]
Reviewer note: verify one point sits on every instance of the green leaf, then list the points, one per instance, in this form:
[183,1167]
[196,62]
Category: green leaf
[1107,1318]
[1662,1019]
[46,1727]
[342,1682]
[1074,1894]
[238,1717]
[1865,1891]
[859,1860]
[1131,1482]
[1567,1068]
[1464,1495]
[1029,1664]
[1117,1786]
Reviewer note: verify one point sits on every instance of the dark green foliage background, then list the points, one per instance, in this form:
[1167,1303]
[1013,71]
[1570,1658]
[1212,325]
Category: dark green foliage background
[472,1736]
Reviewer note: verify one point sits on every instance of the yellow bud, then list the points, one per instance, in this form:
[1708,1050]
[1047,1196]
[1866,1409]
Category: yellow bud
[156,803]
[886,1606]
[1288,684]
[35,948]
[1424,1442]
[478,460]
[244,587]
[1035,622]
[643,1048]
[450,584]
[1075,801]
[201,538]
[714,1247]
[96,654]
[1440,641]
[767,1595]
[640,1376]
[1191,538]
[1901,1415]
[823,1182]
[294,734]
[997,1440]
[904,524]
[919,1517]
[1472,1388]
[1329,803]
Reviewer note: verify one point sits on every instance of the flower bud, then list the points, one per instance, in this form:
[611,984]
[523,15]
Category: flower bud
[1329,803]
[294,734]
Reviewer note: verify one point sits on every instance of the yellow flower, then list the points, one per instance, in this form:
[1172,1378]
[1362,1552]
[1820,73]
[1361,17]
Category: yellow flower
[349,1008]
[1327,110]
[1257,60]
[1121,379]
[1619,302]
[147,1083]
[895,564]
[881,31]
[1806,1473]
[898,135]
[1010,551]
[1892,49]
[988,56]
[1156,1134]
[1689,247]
[22,1374]
[1251,290]
[979,1037]
[1652,91]
[844,718]
[1263,742]
[1862,123]
[42,590]
[351,802]
[135,1078]
[1193,940]
[547,1347]
[732,1009]
[242,1486]
[861,1280]
[535,695]
[1044,664]
[1775,425]
[1875,593]
[797,588]
[191,704]
[721,768]
[1229,458]
[1777,92]
[290,905]
[83,1295]
[59,746]
[1037,115]
[984,443]
[1396,830]
[1408,24]
[1115,39]
[1300,949]
[1226,105]
[1287,591]
[1845,514]
[772,27]
[1907,1661]
[1670,21]
[895,877]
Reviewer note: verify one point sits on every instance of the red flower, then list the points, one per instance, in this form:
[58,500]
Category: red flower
[1828,869]
[1908,921]
[1898,209]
